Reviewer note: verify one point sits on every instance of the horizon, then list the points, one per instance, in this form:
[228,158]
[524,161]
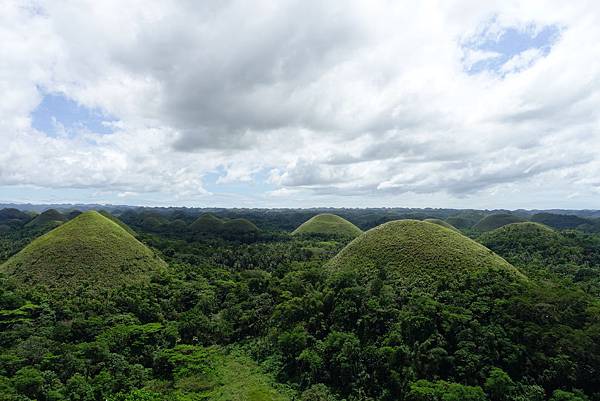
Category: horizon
[298,104]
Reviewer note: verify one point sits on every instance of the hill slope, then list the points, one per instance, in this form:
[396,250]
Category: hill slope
[50,216]
[328,224]
[442,223]
[493,221]
[88,250]
[417,253]
[559,221]
[207,223]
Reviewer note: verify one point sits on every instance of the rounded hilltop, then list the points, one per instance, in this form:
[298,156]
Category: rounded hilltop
[210,224]
[494,221]
[442,223]
[417,253]
[524,238]
[49,217]
[328,224]
[89,250]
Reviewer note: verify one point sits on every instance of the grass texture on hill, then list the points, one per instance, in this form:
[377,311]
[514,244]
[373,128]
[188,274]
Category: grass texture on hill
[417,253]
[88,250]
[211,224]
[494,221]
[442,223]
[50,216]
[328,224]
[118,221]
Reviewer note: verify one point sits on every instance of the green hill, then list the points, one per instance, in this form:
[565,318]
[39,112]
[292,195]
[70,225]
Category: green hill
[328,224]
[239,226]
[520,236]
[119,222]
[88,250]
[207,223]
[442,223]
[465,219]
[417,253]
[494,221]
[49,217]
[559,221]
[13,217]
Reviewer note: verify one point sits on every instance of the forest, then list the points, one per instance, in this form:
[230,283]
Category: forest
[309,305]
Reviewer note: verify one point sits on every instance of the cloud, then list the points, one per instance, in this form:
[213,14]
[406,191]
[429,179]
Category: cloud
[361,100]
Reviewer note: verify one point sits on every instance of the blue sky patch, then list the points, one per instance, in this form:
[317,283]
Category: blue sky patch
[495,46]
[57,112]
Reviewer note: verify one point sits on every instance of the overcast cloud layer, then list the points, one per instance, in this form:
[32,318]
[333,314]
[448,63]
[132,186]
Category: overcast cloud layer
[302,103]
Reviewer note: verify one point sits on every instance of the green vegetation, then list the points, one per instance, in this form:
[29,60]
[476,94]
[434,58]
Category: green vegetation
[49,217]
[13,217]
[407,311]
[442,223]
[417,253]
[493,221]
[89,250]
[115,220]
[559,221]
[547,254]
[207,223]
[328,224]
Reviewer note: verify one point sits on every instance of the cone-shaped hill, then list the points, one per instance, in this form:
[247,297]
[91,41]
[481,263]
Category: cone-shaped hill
[207,223]
[525,239]
[89,250]
[49,217]
[328,224]
[415,253]
[442,223]
[211,224]
[494,221]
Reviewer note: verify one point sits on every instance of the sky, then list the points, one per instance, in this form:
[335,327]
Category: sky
[448,103]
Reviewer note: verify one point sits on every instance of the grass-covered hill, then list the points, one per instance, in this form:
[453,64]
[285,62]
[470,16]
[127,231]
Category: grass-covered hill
[543,252]
[238,226]
[525,237]
[207,223]
[115,219]
[465,218]
[417,253]
[494,221]
[13,217]
[49,217]
[559,221]
[328,224]
[90,250]
[210,224]
[442,223]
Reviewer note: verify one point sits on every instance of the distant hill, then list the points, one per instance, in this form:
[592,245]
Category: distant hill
[90,250]
[119,222]
[328,224]
[465,218]
[13,217]
[559,221]
[418,254]
[238,226]
[494,221]
[207,223]
[442,223]
[49,217]
[525,238]
[211,224]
